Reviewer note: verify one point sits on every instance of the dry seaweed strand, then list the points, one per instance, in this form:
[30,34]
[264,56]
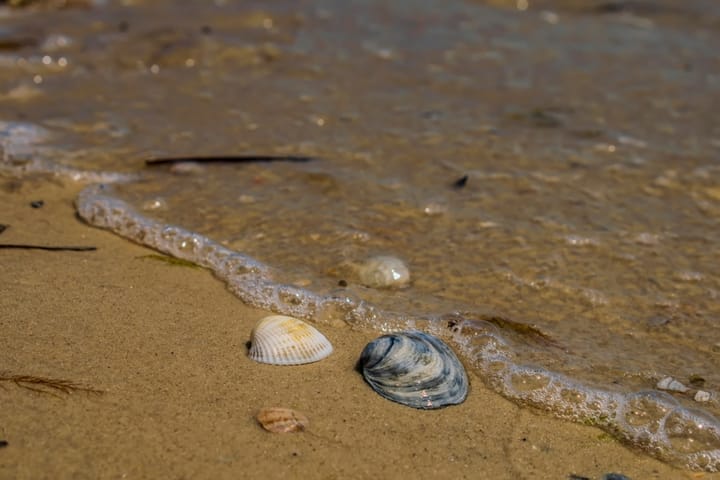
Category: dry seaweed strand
[525,332]
[47,247]
[48,386]
[528,331]
[228,159]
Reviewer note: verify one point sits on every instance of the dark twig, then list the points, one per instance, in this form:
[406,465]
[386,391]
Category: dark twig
[49,386]
[460,182]
[45,247]
[228,159]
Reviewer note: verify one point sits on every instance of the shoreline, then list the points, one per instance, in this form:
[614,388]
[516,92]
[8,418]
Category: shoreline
[166,343]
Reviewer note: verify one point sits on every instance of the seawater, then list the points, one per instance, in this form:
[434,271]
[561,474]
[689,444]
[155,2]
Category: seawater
[573,267]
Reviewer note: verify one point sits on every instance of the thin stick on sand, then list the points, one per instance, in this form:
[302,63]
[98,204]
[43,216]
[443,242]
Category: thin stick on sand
[47,247]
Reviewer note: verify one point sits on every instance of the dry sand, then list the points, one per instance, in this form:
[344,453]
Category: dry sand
[167,346]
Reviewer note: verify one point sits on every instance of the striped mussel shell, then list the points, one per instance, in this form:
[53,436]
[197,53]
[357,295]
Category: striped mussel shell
[415,369]
[281,340]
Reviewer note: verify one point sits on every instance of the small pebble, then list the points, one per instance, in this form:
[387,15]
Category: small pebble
[702,396]
[658,321]
[646,238]
[3,443]
[434,208]
[155,204]
[690,276]
[615,476]
[672,385]
[37,203]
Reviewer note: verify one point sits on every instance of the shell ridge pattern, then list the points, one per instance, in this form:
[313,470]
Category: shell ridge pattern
[282,340]
[415,369]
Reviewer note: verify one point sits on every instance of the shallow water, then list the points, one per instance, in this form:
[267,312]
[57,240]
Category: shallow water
[581,243]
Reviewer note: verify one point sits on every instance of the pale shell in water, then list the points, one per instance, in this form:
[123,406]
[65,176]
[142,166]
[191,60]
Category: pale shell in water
[282,420]
[383,271]
[281,340]
[415,369]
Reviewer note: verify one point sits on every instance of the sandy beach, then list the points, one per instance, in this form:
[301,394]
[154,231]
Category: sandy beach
[166,344]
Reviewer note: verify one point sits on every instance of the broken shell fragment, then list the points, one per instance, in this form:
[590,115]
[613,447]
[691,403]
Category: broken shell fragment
[383,271]
[282,420]
[415,369]
[281,340]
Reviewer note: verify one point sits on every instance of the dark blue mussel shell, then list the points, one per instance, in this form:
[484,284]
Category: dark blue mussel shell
[414,368]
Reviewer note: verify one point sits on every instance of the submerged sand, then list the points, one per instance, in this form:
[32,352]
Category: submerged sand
[167,346]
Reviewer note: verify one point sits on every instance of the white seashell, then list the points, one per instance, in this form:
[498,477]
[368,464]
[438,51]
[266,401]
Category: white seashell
[281,340]
[383,271]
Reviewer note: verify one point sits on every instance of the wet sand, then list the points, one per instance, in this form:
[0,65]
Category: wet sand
[167,346]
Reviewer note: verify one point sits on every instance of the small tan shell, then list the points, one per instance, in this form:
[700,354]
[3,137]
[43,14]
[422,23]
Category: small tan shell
[282,420]
[281,340]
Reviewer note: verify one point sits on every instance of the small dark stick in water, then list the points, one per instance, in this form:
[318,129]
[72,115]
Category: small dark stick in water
[460,182]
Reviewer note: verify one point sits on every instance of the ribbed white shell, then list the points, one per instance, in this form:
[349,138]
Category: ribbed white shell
[281,340]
